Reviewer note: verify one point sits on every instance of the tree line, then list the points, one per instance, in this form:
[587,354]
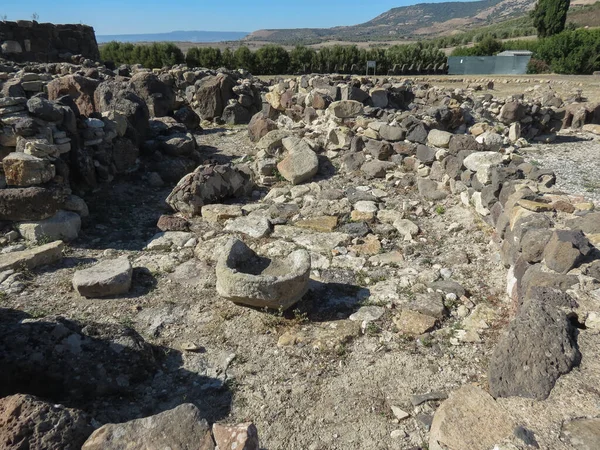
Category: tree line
[274,59]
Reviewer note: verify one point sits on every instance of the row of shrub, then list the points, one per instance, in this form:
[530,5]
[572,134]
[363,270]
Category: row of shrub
[570,52]
[152,56]
[275,60]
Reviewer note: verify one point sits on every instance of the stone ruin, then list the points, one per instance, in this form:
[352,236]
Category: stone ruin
[26,40]
[397,149]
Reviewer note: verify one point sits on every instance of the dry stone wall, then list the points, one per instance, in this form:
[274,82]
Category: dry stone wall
[26,40]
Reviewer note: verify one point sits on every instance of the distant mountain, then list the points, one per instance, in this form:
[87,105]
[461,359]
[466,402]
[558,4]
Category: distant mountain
[175,36]
[415,21]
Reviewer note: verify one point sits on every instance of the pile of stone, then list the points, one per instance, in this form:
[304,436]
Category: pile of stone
[88,366]
[455,144]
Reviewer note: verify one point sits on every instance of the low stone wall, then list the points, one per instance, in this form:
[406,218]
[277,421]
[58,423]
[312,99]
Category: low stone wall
[26,40]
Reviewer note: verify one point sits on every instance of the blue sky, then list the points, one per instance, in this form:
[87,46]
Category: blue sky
[158,16]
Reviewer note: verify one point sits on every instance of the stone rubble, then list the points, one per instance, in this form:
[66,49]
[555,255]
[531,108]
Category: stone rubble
[331,207]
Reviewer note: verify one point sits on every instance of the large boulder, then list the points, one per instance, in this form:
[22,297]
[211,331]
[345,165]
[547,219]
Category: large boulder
[32,203]
[80,89]
[236,114]
[44,109]
[512,112]
[208,184]
[158,95]
[117,96]
[27,422]
[246,278]
[259,126]
[213,94]
[537,348]
[565,250]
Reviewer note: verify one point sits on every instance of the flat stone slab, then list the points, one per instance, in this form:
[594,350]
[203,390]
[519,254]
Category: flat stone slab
[32,257]
[64,225]
[105,279]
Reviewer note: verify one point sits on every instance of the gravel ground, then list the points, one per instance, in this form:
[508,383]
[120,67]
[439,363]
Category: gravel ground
[575,158]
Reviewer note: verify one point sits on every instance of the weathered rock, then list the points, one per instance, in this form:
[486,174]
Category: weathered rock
[158,95]
[32,203]
[28,422]
[172,223]
[208,184]
[431,190]
[80,89]
[512,112]
[376,169]
[23,170]
[32,257]
[80,363]
[414,323]
[255,227]
[392,133]
[470,419]
[168,240]
[260,125]
[565,250]
[582,434]
[238,437]
[322,223]
[537,348]
[105,279]
[439,138]
[301,164]
[114,96]
[181,428]
[345,109]
[246,278]
[64,225]
[44,109]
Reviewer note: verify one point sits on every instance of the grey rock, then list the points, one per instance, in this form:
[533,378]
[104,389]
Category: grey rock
[430,189]
[565,250]
[582,434]
[29,422]
[64,225]
[537,348]
[246,278]
[392,133]
[105,279]
[301,163]
[181,428]
[439,138]
[255,227]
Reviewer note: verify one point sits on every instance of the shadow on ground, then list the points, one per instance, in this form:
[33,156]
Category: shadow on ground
[106,370]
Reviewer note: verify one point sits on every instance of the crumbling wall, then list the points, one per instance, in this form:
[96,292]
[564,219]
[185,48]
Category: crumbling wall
[26,40]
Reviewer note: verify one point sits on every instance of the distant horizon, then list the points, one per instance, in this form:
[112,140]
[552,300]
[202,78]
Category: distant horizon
[196,36]
[134,17]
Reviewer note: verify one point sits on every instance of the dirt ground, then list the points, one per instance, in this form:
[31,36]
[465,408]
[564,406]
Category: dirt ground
[313,378]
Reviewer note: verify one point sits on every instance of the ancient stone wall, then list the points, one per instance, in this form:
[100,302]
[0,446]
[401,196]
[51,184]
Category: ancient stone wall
[26,40]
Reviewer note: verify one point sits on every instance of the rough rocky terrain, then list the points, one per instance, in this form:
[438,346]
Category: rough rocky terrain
[452,299]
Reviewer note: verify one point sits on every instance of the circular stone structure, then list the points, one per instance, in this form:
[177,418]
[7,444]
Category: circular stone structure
[246,278]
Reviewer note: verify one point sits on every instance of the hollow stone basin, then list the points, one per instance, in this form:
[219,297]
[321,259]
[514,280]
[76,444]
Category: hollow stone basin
[246,278]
